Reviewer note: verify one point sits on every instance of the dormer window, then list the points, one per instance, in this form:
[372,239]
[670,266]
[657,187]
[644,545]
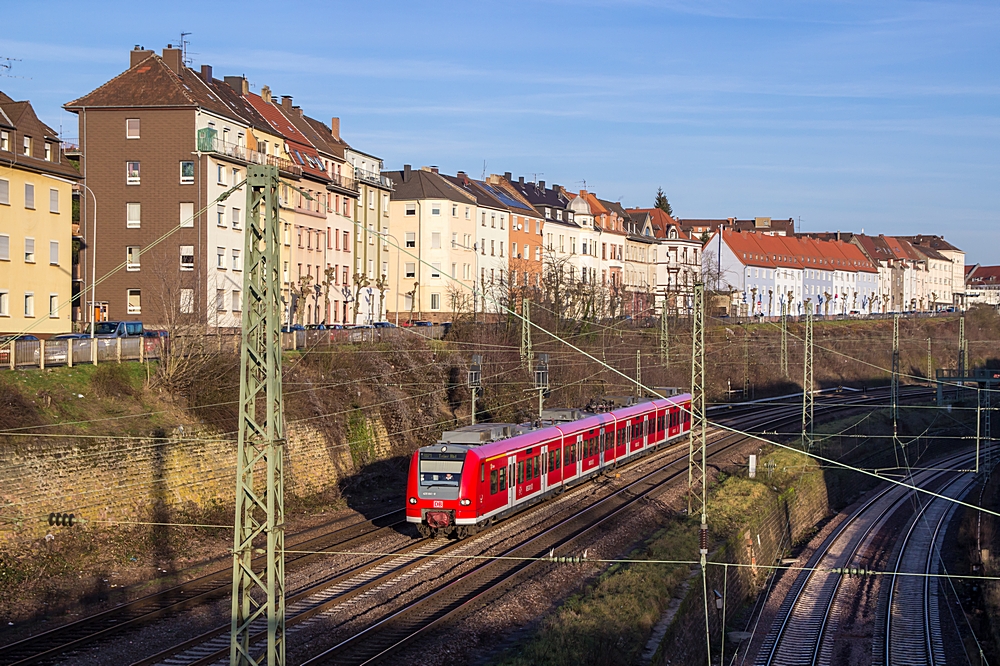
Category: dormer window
[48,151]
[27,145]
[548,213]
[559,215]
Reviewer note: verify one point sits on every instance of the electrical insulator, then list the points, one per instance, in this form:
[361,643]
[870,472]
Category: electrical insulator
[703,539]
[62,519]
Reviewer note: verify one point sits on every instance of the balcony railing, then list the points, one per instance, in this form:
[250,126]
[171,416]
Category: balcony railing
[211,143]
[344,182]
[372,177]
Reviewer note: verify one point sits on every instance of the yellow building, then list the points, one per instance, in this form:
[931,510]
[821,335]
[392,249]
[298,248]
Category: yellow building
[36,220]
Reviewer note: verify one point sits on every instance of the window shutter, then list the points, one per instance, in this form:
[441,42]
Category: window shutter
[29,195]
[53,200]
[5,248]
[4,191]
[54,253]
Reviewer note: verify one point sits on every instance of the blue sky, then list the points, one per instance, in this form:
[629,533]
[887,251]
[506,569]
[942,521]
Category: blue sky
[849,115]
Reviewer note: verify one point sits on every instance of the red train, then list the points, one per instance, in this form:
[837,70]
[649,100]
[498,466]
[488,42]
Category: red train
[481,474]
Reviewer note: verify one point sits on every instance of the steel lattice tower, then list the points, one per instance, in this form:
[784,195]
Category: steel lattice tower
[696,441]
[987,436]
[746,362]
[259,590]
[638,372]
[527,355]
[784,338]
[961,346]
[664,337]
[895,371]
[808,399]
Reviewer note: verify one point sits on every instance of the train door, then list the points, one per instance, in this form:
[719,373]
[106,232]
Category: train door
[553,465]
[511,486]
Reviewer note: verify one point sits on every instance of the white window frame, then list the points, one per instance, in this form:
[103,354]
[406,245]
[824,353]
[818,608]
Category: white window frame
[186,301]
[187,266]
[185,180]
[29,196]
[133,261]
[29,255]
[220,258]
[236,263]
[133,176]
[4,191]
[53,306]
[130,309]
[53,200]
[186,217]
[29,304]
[130,221]
[53,253]
[4,303]
[129,133]
[4,247]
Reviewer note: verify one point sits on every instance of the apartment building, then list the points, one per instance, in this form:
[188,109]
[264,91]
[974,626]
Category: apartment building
[376,290]
[36,194]
[437,224]
[525,234]
[677,258]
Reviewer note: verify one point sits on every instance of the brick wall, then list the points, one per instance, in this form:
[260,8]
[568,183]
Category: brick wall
[123,479]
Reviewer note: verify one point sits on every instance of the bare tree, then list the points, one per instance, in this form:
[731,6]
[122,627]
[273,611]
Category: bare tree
[360,282]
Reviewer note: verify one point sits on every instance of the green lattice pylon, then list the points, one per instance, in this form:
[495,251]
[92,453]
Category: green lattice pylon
[258,601]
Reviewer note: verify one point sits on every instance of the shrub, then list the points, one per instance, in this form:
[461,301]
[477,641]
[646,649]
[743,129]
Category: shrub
[112,380]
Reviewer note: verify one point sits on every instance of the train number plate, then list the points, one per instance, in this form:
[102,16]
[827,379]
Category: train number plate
[438,504]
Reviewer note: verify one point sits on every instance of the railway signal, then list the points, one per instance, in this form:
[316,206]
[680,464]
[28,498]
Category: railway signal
[475,381]
[542,380]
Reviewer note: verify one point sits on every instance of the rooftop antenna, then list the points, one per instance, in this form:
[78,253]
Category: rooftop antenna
[184,49]
[483,177]
[534,177]
[6,65]
[584,181]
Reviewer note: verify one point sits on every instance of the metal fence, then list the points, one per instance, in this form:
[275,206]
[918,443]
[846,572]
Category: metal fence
[51,353]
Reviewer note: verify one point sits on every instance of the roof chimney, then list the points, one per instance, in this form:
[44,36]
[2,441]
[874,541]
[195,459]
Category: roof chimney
[239,84]
[407,172]
[137,55]
[541,184]
[206,73]
[434,169]
[286,103]
[520,180]
[265,93]
[172,58]
[508,175]
[335,128]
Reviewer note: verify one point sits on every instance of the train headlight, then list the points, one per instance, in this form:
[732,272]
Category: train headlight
[413,500]
[465,502]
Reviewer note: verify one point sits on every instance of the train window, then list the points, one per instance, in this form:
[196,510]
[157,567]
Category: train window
[520,472]
[502,480]
[482,472]
[493,482]
[538,466]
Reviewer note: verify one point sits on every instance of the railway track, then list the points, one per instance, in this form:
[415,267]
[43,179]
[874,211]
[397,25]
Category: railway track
[806,623]
[303,604]
[913,634]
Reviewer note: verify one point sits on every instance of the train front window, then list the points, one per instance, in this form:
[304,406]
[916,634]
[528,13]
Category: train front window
[441,468]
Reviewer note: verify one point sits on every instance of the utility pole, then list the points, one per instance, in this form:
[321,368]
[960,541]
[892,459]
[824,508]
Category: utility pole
[961,346]
[894,390]
[930,364]
[526,352]
[987,430]
[664,336]
[541,381]
[638,372]
[746,362]
[475,381]
[808,399]
[784,338]
[258,593]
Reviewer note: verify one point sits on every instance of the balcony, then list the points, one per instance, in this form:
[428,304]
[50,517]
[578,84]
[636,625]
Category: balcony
[343,182]
[372,178]
[209,142]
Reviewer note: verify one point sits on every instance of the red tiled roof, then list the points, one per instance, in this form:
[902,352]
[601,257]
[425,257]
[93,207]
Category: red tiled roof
[301,151]
[984,275]
[765,250]
[661,221]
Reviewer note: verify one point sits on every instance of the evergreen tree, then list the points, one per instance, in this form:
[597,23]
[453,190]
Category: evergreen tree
[662,203]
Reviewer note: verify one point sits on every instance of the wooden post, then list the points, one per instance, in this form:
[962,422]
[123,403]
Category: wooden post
[41,354]
[142,349]
[13,346]
[69,353]
[118,349]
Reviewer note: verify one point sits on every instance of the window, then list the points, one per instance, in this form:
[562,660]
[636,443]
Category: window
[131,173]
[4,247]
[220,258]
[371,200]
[493,220]
[29,250]
[48,151]
[236,218]
[132,258]
[492,247]
[220,300]
[482,219]
[4,141]
[134,301]
[29,196]
[468,213]
[187,215]
[4,191]
[454,210]
[435,301]
[53,253]
[411,209]
[237,300]
[411,239]
[29,304]
[187,257]
[502,218]
[220,174]
[435,209]
[347,241]
[466,271]
[4,304]
[411,270]
[454,270]
[187,172]
[237,266]
[236,176]
[220,215]
[385,204]
[133,215]
[436,270]
[27,145]
[53,306]
[132,128]
[435,240]
[187,301]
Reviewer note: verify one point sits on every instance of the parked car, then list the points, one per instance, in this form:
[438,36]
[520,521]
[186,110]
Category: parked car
[5,341]
[315,327]
[69,336]
[118,329]
[293,327]
[423,323]
[384,324]
[156,337]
